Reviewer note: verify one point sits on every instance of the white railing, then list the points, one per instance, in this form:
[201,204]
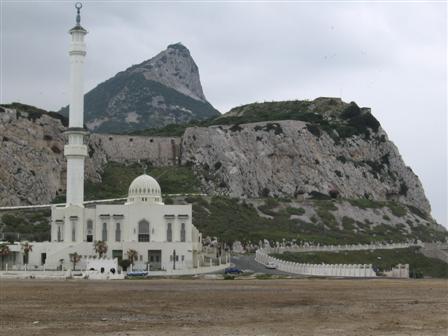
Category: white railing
[341,270]
[336,248]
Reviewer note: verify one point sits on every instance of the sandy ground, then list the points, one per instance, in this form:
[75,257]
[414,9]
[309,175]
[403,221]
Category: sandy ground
[220,307]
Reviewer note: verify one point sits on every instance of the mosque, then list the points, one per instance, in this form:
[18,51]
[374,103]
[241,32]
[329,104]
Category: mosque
[162,236]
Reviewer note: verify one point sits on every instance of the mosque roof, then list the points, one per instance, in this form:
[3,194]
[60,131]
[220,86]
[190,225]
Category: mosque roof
[144,185]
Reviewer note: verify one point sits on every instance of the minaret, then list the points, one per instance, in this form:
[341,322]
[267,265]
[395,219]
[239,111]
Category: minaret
[76,151]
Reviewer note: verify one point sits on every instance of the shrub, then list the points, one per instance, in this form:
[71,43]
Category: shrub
[314,130]
[397,210]
[351,111]
[403,189]
[295,211]
[319,196]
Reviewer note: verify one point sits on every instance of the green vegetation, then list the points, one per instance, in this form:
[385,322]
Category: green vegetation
[117,177]
[31,225]
[340,120]
[295,211]
[381,259]
[397,210]
[233,219]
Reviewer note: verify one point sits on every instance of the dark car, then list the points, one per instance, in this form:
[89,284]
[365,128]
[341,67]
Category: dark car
[232,270]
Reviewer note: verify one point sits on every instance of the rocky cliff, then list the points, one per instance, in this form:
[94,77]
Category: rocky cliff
[163,90]
[339,151]
[328,153]
[284,159]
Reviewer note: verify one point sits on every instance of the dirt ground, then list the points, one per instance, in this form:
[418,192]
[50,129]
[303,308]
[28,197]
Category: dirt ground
[224,307]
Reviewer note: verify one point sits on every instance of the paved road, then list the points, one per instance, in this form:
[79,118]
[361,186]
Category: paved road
[247,262]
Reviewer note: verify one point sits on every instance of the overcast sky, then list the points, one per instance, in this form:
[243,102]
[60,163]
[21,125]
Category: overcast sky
[388,56]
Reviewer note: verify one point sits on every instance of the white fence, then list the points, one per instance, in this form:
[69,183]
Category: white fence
[335,248]
[341,270]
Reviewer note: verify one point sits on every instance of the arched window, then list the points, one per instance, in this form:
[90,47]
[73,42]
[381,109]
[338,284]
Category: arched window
[169,232]
[89,237]
[118,232]
[182,232]
[143,231]
[104,232]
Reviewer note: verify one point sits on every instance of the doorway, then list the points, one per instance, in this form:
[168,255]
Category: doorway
[155,259]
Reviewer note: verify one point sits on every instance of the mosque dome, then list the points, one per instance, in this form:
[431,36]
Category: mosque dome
[144,189]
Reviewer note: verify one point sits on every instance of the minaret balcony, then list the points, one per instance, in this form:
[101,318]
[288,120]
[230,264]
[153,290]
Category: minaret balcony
[75,150]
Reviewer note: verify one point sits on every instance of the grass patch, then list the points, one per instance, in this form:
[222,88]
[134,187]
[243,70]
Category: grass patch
[295,211]
[117,177]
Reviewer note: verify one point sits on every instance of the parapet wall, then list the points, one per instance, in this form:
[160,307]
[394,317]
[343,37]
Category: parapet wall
[159,151]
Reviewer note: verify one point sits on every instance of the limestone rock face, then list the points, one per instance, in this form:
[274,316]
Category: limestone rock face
[32,165]
[284,159]
[175,68]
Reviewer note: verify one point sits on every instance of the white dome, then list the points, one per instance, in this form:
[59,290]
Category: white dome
[144,189]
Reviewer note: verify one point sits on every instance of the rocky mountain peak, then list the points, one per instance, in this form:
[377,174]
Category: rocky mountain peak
[165,89]
[175,68]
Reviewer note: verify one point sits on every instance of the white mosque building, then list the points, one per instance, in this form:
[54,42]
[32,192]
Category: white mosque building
[162,235]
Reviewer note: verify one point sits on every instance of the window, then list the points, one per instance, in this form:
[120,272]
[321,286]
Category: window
[143,231]
[89,237]
[169,232]
[118,232]
[43,258]
[182,232]
[73,231]
[59,233]
[104,232]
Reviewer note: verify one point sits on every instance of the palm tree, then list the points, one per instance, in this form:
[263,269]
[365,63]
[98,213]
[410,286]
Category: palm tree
[4,252]
[26,248]
[132,256]
[100,247]
[75,258]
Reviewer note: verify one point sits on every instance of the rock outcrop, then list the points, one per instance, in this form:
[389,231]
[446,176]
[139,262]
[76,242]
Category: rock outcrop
[163,90]
[296,158]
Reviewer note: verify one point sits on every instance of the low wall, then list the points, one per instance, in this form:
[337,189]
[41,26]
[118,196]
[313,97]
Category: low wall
[335,248]
[340,270]
[44,274]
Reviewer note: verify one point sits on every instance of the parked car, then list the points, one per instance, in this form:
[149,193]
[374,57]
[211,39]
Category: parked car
[232,270]
[271,265]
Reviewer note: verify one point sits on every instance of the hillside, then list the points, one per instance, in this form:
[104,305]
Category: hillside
[165,89]
[265,179]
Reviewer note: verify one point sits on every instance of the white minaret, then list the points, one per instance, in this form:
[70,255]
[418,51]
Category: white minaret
[76,151]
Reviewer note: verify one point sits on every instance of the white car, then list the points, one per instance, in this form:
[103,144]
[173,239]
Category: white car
[271,265]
